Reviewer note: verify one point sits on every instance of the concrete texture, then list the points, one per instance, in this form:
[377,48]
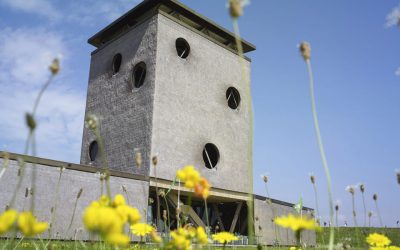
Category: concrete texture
[125,113]
[70,183]
[268,233]
[190,108]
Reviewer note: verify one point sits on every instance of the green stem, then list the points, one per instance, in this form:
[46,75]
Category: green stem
[169,222]
[207,220]
[365,209]
[322,153]
[246,82]
[34,176]
[18,243]
[53,215]
[379,214]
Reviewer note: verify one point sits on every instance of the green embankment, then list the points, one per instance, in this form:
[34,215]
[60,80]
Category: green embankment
[356,236]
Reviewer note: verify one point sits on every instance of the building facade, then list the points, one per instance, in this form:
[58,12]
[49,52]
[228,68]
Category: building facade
[164,81]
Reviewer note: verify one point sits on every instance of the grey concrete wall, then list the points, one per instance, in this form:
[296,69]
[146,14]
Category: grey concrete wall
[125,113]
[268,232]
[70,184]
[190,108]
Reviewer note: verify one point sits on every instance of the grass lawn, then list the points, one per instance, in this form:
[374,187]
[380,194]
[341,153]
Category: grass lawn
[354,237]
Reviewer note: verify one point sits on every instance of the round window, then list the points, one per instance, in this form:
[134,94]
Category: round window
[93,150]
[233,97]
[210,155]
[116,65]
[139,75]
[182,48]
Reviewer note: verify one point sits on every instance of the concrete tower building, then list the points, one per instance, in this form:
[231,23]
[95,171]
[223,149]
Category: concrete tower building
[167,81]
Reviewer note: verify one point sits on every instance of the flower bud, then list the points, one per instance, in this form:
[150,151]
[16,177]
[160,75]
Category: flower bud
[235,8]
[362,188]
[138,159]
[375,197]
[154,160]
[305,50]
[91,122]
[55,66]
[79,193]
[312,179]
[30,121]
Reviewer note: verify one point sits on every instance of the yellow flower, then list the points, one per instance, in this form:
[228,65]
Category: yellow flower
[104,200]
[224,237]
[189,176]
[180,239]
[29,226]
[103,220]
[294,248]
[378,240]
[141,229]
[155,237]
[201,236]
[385,248]
[119,200]
[202,188]
[297,223]
[129,214]
[7,220]
[118,239]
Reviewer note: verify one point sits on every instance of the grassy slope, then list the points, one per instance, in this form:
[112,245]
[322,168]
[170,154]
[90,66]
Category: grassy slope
[349,235]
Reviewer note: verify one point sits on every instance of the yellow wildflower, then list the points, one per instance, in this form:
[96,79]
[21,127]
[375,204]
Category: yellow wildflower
[202,188]
[201,235]
[297,223]
[103,220]
[189,175]
[129,214]
[119,200]
[118,239]
[7,220]
[104,200]
[141,229]
[224,237]
[155,237]
[378,240]
[180,239]
[29,226]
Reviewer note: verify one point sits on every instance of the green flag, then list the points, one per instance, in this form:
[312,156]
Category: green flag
[299,206]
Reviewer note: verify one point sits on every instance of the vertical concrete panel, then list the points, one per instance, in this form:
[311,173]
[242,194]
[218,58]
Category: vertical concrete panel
[190,108]
[268,232]
[70,183]
[125,113]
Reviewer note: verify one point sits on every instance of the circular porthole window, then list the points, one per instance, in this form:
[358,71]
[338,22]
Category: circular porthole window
[182,48]
[210,155]
[116,65]
[139,75]
[93,150]
[233,97]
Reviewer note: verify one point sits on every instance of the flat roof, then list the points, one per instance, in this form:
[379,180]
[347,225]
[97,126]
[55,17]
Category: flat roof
[178,12]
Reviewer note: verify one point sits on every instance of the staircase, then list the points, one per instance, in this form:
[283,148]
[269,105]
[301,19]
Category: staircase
[186,209]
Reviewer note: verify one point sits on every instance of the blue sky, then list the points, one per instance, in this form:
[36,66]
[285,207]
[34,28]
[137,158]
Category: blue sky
[356,62]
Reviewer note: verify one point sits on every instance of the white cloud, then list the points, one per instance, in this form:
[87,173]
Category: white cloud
[41,7]
[393,18]
[24,57]
[26,53]
[397,73]
[86,12]
[90,11]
